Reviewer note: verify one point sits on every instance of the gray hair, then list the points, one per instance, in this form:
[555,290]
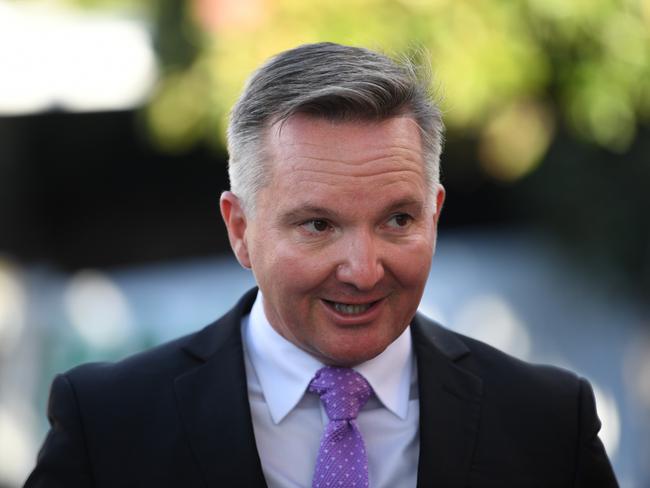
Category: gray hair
[335,82]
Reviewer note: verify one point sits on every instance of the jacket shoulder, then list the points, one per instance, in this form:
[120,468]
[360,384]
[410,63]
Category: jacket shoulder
[500,372]
[149,368]
[143,368]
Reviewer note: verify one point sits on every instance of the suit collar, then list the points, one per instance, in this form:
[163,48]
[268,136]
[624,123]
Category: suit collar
[213,403]
[450,404]
[428,333]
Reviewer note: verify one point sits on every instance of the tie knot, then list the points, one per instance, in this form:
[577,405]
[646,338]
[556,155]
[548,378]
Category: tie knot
[343,391]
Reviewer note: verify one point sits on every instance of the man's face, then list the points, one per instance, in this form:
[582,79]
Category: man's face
[343,235]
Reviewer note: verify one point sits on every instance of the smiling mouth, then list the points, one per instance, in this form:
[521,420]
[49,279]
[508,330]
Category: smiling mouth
[350,309]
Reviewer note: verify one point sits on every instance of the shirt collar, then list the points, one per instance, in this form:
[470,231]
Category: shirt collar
[390,374]
[284,370]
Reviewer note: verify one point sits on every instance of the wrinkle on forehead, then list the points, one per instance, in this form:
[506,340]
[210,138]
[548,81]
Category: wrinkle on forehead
[317,182]
[335,169]
[352,151]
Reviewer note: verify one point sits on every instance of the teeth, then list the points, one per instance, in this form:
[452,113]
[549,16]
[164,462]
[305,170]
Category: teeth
[350,309]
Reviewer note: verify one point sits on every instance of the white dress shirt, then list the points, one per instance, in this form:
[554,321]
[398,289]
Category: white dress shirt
[288,421]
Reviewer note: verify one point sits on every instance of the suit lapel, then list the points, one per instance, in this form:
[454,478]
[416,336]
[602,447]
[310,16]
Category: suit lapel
[450,404]
[213,404]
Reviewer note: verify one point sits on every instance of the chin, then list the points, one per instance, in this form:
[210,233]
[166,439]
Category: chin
[349,358]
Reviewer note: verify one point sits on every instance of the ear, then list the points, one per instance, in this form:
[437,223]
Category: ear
[440,199]
[234,217]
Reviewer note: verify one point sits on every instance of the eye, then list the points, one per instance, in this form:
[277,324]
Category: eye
[400,221]
[316,226]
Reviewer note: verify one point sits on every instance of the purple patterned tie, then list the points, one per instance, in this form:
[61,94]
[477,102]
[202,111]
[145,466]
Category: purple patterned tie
[342,461]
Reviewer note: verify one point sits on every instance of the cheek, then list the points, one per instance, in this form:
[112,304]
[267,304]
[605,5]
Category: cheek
[288,269]
[411,264]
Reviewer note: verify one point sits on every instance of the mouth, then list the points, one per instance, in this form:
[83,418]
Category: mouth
[351,309]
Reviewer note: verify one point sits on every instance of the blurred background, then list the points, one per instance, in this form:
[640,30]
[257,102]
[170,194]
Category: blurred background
[112,159]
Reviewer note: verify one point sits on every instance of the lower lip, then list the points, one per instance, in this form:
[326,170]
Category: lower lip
[354,319]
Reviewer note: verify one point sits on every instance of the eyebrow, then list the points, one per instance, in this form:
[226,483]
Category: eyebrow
[309,210]
[404,203]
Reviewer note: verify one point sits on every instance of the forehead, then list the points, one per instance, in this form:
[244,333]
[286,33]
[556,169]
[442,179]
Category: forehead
[343,156]
[356,135]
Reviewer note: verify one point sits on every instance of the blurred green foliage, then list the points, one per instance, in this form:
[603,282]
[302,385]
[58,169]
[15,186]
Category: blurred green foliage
[507,71]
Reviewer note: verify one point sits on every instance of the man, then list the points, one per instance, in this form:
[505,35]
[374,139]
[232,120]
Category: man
[326,375]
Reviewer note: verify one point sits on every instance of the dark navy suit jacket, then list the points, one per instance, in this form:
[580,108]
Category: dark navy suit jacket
[178,416]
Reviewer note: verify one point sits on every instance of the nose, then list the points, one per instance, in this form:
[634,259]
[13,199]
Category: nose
[361,263]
